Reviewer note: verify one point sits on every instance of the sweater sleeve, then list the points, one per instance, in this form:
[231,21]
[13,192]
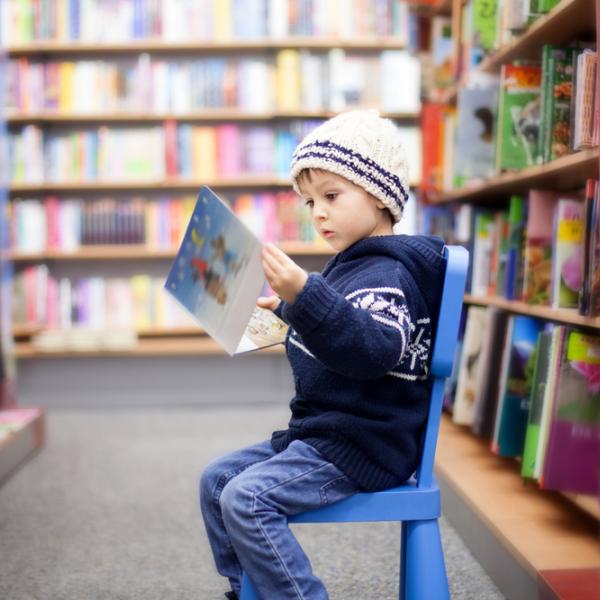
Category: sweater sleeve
[362,335]
[279,311]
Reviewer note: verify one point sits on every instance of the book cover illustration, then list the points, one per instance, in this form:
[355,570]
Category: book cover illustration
[217,276]
[518,117]
[487,387]
[475,131]
[464,399]
[536,402]
[514,411]
[571,462]
[559,112]
[538,247]
[567,253]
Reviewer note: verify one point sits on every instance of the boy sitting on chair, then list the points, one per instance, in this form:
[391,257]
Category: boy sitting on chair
[359,346]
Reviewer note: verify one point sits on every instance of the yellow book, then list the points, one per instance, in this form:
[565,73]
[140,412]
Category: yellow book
[204,152]
[66,72]
[223,20]
[288,80]
[142,306]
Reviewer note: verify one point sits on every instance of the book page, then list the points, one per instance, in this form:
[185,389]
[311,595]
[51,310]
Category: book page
[217,274]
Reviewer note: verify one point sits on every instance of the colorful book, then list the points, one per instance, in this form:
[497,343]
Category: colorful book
[558,339]
[592,274]
[512,417]
[483,237]
[475,130]
[517,217]
[217,276]
[487,387]
[464,399]
[567,250]
[538,247]
[560,86]
[536,402]
[518,117]
[571,462]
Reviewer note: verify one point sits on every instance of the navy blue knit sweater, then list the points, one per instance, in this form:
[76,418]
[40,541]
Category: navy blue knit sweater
[359,345]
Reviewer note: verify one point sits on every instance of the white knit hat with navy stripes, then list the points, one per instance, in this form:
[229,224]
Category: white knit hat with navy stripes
[362,147]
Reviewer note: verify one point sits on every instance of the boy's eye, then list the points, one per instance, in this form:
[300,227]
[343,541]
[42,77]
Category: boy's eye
[309,203]
[331,195]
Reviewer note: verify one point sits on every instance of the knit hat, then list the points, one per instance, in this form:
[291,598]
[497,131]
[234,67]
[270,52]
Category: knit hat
[362,147]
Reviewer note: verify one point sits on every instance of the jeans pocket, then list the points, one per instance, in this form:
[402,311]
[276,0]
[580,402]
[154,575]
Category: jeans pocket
[337,489]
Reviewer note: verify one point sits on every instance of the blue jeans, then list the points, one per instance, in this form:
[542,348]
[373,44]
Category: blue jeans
[246,497]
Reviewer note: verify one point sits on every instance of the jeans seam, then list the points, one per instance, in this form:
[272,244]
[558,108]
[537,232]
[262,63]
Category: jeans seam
[222,481]
[327,486]
[266,537]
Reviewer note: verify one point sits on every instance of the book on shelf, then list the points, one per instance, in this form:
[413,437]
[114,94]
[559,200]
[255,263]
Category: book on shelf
[536,401]
[589,303]
[586,119]
[556,349]
[475,328]
[556,102]
[517,217]
[518,117]
[205,21]
[483,238]
[567,248]
[516,380]
[573,446]
[217,276]
[487,386]
[476,115]
[537,274]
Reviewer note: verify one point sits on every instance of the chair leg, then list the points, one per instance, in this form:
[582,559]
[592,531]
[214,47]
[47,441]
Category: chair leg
[423,561]
[248,592]
[403,531]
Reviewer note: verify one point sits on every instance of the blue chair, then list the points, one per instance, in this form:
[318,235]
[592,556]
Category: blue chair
[417,503]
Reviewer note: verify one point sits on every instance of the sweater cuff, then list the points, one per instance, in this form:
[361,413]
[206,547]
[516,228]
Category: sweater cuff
[312,305]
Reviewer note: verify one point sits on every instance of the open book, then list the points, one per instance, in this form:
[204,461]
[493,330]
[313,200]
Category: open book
[217,276]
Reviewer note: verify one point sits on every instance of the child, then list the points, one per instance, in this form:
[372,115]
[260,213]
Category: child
[359,341]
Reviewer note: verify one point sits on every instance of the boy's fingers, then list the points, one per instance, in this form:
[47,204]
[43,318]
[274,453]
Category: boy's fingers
[277,254]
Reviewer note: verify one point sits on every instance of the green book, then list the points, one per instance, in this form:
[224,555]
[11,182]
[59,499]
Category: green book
[556,123]
[484,24]
[538,389]
[518,117]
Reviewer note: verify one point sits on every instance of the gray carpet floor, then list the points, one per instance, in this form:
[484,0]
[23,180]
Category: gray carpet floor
[108,510]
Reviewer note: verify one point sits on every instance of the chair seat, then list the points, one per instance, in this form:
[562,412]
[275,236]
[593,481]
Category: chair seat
[402,503]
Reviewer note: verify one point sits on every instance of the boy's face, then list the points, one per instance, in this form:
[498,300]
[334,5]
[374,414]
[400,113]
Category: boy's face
[342,212]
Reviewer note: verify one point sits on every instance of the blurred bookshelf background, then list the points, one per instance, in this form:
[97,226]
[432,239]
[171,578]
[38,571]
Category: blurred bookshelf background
[115,113]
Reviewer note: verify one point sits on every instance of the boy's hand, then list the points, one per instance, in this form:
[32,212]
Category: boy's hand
[269,302]
[283,274]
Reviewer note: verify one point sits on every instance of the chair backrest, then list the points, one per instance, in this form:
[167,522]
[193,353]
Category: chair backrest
[457,261]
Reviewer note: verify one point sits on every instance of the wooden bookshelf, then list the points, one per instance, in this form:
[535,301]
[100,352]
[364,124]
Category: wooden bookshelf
[143,252]
[71,49]
[246,183]
[568,20]
[541,529]
[565,173]
[239,183]
[161,346]
[201,116]
[566,316]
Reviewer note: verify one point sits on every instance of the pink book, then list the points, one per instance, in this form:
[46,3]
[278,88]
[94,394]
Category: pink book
[270,217]
[538,247]
[53,209]
[228,150]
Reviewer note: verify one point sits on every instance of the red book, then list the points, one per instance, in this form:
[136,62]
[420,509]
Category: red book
[171,158]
